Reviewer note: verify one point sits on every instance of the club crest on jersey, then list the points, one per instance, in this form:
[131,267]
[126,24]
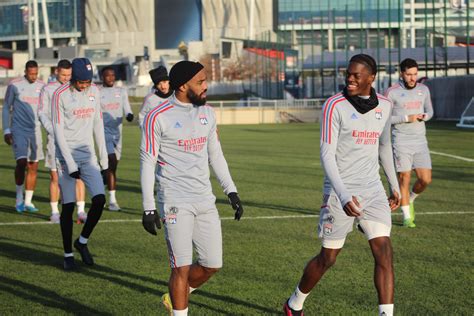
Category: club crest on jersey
[92,98]
[171,215]
[203,119]
[378,114]
[117,95]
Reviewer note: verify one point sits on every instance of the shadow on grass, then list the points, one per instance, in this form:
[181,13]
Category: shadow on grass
[33,293]
[299,210]
[52,299]
[12,194]
[11,210]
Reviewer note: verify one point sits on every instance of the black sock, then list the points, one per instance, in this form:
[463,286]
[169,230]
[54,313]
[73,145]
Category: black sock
[94,215]
[66,226]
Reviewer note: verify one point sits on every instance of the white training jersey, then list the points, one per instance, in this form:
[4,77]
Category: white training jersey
[407,102]
[76,118]
[21,98]
[114,104]
[183,138]
[351,146]
[149,103]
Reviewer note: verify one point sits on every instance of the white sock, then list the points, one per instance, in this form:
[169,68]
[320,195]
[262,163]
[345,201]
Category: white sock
[19,194]
[386,310]
[80,206]
[413,196]
[54,207]
[83,240]
[181,312]
[406,211]
[112,197]
[28,197]
[192,289]
[297,299]
[68,255]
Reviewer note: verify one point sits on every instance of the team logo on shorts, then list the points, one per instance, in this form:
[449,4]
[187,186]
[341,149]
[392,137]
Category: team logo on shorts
[203,119]
[171,215]
[378,114]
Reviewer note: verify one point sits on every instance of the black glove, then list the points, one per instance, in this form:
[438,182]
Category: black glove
[234,200]
[103,173]
[151,219]
[76,174]
[129,117]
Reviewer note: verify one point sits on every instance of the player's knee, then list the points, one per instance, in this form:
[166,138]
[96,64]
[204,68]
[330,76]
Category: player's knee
[425,181]
[404,177]
[53,177]
[98,201]
[382,250]
[21,163]
[210,271]
[327,260]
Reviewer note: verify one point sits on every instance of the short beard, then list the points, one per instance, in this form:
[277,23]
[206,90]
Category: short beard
[195,99]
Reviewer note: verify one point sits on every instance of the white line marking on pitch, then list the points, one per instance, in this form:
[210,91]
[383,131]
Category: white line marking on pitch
[228,218]
[452,156]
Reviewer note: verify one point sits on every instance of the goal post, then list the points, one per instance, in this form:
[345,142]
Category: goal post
[467,117]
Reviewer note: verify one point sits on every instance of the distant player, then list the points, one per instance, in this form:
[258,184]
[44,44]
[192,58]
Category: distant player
[115,105]
[23,131]
[77,120]
[63,75]
[161,92]
[355,134]
[181,134]
[411,109]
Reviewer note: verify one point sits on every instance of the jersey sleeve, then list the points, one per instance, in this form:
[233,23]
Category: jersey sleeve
[57,108]
[125,103]
[99,134]
[217,160]
[386,158]
[144,109]
[395,119]
[428,106]
[330,125]
[7,107]
[44,110]
[149,146]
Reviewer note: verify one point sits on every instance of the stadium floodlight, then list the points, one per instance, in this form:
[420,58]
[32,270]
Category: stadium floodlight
[467,117]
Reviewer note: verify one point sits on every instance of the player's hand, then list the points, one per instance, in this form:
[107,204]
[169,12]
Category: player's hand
[234,200]
[352,208]
[129,117]
[421,117]
[394,201]
[103,173]
[8,139]
[76,174]
[151,219]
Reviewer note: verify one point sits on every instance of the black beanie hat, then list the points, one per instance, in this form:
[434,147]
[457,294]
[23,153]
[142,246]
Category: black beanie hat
[159,74]
[182,72]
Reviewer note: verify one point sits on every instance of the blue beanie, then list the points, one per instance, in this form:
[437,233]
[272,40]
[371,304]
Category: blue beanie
[81,69]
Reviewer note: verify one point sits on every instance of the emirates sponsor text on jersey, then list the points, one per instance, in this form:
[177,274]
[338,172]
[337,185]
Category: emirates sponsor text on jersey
[193,144]
[365,137]
[83,113]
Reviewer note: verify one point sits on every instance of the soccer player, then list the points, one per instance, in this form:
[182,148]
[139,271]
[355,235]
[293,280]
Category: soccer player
[76,117]
[355,134]
[161,92]
[411,109]
[114,104]
[22,130]
[63,75]
[181,134]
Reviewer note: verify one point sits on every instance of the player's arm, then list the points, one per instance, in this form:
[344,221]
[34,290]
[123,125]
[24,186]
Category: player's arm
[57,109]
[149,148]
[397,119]
[428,106]
[330,125]
[126,106]
[386,161]
[221,169]
[99,134]
[144,109]
[7,107]
[44,110]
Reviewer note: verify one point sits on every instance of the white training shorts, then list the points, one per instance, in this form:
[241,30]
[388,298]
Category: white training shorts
[409,157]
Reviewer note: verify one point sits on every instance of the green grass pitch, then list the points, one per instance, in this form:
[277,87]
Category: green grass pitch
[277,171]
